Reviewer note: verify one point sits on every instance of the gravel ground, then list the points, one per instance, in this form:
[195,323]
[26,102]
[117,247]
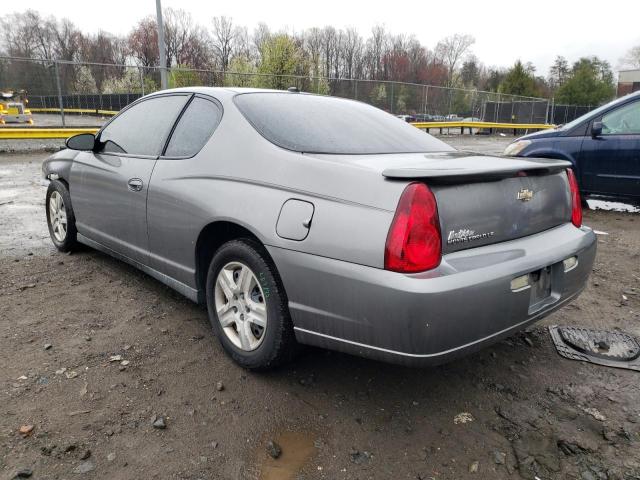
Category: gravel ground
[97,357]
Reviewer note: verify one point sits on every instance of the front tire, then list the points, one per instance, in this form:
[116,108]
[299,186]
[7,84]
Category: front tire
[60,217]
[247,306]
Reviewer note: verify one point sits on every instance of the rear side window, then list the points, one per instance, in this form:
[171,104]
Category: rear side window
[317,124]
[142,129]
[195,127]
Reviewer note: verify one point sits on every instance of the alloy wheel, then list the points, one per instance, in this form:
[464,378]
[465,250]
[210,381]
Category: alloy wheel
[240,305]
[58,217]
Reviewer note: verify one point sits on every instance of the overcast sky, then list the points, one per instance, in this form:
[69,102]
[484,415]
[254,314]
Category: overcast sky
[505,30]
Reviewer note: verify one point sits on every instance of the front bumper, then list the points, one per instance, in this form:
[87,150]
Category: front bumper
[432,317]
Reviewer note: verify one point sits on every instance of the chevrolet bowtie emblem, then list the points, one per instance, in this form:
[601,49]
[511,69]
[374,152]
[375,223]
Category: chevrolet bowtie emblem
[524,195]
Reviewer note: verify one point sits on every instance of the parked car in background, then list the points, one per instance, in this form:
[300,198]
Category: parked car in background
[362,234]
[603,147]
[407,118]
[423,117]
[453,117]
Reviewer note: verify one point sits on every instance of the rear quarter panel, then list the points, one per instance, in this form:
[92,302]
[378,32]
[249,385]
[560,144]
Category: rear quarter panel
[242,178]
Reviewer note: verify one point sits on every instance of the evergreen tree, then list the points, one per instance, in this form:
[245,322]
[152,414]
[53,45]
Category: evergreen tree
[519,81]
[590,83]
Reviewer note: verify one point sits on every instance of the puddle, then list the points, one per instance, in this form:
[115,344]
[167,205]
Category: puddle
[297,450]
[23,226]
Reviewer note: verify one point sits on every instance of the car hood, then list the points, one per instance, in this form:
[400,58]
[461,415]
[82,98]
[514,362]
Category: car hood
[549,133]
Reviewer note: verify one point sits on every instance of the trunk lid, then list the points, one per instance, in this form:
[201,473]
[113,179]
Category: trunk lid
[486,212]
[484,200]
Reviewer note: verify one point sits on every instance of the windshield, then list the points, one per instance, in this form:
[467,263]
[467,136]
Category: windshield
[319,124]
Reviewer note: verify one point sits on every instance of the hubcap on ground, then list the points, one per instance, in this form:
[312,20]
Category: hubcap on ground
[57,216]
[240,305]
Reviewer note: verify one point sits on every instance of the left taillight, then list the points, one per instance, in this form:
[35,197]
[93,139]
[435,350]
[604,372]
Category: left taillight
[576,205]
[414,242]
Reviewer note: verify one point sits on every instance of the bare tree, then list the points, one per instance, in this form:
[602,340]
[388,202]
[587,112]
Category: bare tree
[66,39]
[28,34]
[313,47]
[223,37]
[143,42]
[261,34]
[101,48]
[451,50]
[19,34]
[417,57]
[325,51]
[178,29]
[351,52]
[243,44]
[121,50]
[376,47]
[632,58]
[329,47]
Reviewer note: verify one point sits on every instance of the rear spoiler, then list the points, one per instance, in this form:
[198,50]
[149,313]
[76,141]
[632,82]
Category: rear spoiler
[475,167]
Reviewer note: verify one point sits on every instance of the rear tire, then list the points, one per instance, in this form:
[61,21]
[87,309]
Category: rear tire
[250,318]
[60,217]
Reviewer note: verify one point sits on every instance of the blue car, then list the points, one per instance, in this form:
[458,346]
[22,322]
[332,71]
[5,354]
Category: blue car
[603,146]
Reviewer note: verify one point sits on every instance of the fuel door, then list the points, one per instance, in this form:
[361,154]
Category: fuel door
[295,219]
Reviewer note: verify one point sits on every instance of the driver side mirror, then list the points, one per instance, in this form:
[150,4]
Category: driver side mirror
[596,129]
[83,141]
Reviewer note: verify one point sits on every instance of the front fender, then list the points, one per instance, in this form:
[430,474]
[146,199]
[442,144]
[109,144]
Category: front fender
[59,165]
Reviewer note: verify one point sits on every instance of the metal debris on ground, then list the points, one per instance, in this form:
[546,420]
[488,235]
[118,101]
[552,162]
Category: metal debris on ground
[159,422]
[602,347]
[464,417]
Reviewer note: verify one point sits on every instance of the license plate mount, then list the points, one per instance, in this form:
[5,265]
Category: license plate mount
[540,288]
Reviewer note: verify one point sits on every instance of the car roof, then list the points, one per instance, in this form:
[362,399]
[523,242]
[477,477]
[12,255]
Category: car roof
[224,91]
[624,98]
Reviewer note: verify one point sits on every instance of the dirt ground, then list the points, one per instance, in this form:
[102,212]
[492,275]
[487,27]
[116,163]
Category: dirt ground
[92,352]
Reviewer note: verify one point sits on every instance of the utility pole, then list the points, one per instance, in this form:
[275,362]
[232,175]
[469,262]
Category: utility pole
[57,73]
[161,47]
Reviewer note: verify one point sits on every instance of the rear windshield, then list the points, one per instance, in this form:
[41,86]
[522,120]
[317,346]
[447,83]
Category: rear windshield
[318,124]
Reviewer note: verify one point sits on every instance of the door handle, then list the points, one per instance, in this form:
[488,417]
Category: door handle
[135,184]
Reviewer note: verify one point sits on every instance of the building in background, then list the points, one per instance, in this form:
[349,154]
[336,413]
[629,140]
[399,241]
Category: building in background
[628,82]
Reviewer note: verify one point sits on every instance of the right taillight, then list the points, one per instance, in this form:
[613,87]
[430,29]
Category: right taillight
[576,206]
[414,243]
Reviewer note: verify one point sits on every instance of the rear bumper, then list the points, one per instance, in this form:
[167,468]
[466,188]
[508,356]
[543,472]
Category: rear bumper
[433,317]
[16,118]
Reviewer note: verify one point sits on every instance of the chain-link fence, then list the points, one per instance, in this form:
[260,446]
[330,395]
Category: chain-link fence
[56,88]
[561,114]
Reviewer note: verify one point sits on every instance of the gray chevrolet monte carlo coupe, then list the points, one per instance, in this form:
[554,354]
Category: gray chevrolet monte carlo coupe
[308,219]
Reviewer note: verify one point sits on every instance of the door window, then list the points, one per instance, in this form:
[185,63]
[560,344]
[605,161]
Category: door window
[622,121]
[143,128]
[196,125]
